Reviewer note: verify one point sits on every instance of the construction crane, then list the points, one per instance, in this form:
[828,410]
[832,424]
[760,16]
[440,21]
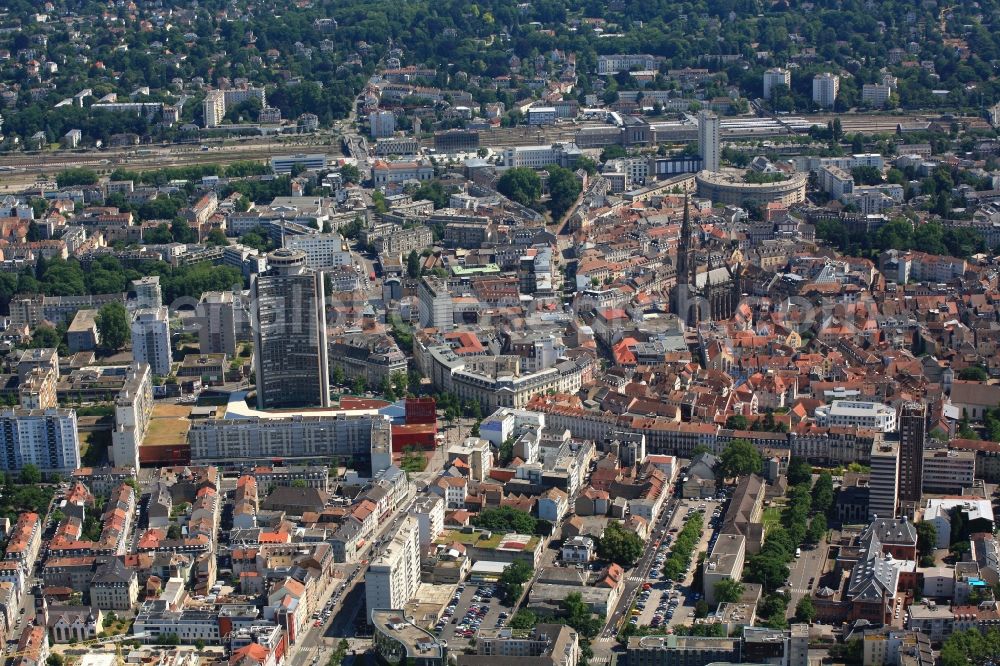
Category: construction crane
[116,640]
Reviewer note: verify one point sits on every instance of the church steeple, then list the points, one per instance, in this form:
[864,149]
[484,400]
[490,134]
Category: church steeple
[684,268]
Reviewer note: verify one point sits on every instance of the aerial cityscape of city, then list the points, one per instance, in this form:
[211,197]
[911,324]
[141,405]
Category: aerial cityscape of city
[552,333]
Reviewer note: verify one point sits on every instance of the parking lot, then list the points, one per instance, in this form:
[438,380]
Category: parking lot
[473,608]
[671,603]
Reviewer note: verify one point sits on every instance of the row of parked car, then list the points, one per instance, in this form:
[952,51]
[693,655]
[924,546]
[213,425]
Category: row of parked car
[475,614]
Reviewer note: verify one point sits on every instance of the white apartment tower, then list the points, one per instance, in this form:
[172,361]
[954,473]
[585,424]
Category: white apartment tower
[217,101]
[151,339]
[775,77]
[45,438]
[708,140]
[825,89]
[216,313]
[133,410]
[382,124]
[394,574]
[147,292]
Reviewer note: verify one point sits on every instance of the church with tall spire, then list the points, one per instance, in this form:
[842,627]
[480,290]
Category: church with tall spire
[703,292]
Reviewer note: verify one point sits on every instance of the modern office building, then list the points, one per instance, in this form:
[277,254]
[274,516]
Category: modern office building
[282,164]
[290,436]
[394,575]
[775,77]
[151,339]
[323,251]
[548,644]
[853,413]
[825,89]
[289,323]
[883,486]
[708,140]
[947,470]
[912,437]
[45,438]
[216,315]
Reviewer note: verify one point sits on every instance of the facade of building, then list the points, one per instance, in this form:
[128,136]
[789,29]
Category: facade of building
[708,140]
[773,78]
[382,124]
[47,439]
[301,438]
[730,187]
[218,101]
[323,251]
[289,323]
[883,487]
[875,94]
[394,576]
[825,89]
[946,470]
[851,413]
[151,339]
[216,313]
[912,439]
[147,292]
[133,410]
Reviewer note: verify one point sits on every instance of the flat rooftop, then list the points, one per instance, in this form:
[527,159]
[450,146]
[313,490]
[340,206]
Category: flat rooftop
[419,644]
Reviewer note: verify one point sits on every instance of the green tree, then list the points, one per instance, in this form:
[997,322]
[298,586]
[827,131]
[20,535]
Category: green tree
[113,325]
[520,184]
[613,152]
[768,570]
[578,615]
[926,538]
[182,232]
[740,458]
[359,385]
[974,373]
[350,173]
[45,337]
[822,493]
[971,648]
[512,580]
[737,422]
[413,264]
[799,471]
[867,175]
[71,177]
[158,235]
[805,610]
[505,519]
[31,475]
[620,546]
[588,165]
[817,529]
[216,238]
[564,188]
[729,591]
[523,619]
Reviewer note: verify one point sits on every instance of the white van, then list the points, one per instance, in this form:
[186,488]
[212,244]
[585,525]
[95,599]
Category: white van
[798,552]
